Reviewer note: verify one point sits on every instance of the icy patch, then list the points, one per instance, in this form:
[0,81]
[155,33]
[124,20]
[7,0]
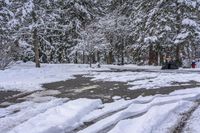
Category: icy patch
[86,88]
[116,97]
[5,104]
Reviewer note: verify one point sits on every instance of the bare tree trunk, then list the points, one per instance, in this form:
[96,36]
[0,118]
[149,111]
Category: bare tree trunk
[90,59]
[36,48]
[110,57]
[159,58]
[93,58]
[83,57]
[35,42]
[177,52]
[76,58]
[122,58]
[151,58]
[122,51]
[98,56]
[105,57]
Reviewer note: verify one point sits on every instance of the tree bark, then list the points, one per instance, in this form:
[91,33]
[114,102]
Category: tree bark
[159,58]
[110,57]
[122,51]
[35,42]
[98,56]
[36,48]
[151,53]
[76,58]
[83,57]
[90,59]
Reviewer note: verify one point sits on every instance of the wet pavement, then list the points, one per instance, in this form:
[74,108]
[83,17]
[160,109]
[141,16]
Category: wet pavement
[83,87]
[6,95]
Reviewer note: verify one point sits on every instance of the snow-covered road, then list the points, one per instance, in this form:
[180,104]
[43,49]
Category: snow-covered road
[141,115]
[165,101]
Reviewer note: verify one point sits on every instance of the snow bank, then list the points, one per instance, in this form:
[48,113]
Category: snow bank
[63,118]
[137,109]
[21,112]
[166,116]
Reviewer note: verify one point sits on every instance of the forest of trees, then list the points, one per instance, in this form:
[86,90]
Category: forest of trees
[105,31]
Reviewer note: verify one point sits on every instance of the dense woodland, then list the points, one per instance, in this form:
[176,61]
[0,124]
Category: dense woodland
[104,31]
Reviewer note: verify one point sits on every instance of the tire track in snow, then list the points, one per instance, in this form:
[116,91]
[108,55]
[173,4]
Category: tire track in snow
[186,116]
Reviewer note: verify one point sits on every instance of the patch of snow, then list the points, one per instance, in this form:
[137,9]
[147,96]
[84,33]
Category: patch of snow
[116,97]
[150,39]
[189,22]
[79,90]
[189,2]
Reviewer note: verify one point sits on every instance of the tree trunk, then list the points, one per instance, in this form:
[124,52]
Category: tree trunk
[110,57]
[90,59]
[159,58]
[36,48]
[76,56]
[151,53]
[83,57]
[178,61]
[98,56]
[105,58]
[35,42]
[93,58]
[122,51]
[178,52]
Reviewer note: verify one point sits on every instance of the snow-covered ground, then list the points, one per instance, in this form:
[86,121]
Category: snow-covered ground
[42,112]
[25,77]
